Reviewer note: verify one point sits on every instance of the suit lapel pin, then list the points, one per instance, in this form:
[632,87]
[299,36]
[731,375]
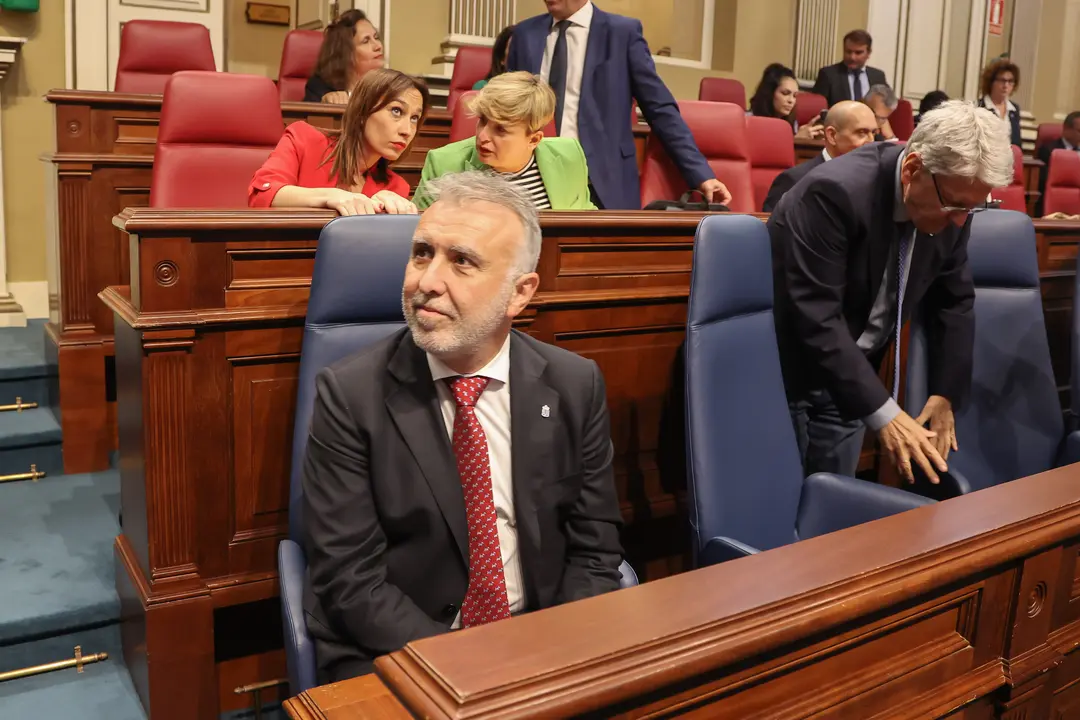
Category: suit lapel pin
[545,411]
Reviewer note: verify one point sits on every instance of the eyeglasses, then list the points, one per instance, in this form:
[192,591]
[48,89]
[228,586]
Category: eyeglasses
[1005,80]
[953,209]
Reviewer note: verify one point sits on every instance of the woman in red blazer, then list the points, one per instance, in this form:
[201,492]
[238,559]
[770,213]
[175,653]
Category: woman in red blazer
[348,171]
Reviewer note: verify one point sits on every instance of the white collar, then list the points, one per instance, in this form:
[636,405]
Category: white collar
[582,18]
[498,368]
[825,154]
[989,105]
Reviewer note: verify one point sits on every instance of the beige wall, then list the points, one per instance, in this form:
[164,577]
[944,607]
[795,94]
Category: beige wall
[997,44]
[253,48]
[28,132]
[417,28]
[1051,47]
[853,15]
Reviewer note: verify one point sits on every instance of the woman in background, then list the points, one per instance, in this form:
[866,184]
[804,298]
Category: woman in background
[351,48]
[499,52]
[348,170]
[511,113]
[775,97]
[999,81]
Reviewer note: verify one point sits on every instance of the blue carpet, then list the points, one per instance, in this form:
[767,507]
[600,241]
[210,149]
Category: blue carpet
[56,561]
[29,427]
[22,351]
[103,691]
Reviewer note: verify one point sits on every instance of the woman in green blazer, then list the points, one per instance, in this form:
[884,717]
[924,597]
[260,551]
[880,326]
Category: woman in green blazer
[511,112]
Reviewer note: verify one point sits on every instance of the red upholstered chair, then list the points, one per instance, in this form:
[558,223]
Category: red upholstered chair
[1063,183]
[902,120]
[1013,196]
[727,90]
[1047,135]
[463,123]
[216,130]
[152,50]
[471,64]
[772,151]
[719,129]
[298,57]
[808,106]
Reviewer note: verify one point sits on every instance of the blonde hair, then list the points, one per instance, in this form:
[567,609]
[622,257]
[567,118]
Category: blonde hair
[515,97]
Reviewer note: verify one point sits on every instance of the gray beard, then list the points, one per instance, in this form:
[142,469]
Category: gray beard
[464,333]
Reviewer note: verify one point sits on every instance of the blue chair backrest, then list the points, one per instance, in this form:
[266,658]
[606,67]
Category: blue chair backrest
[1012,424]
[743,465]
[355,302]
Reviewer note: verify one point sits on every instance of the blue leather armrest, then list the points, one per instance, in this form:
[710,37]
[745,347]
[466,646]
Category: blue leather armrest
[833,502]
[299,649]
[722,549]
[627,577]
[951,483]
[1070,449]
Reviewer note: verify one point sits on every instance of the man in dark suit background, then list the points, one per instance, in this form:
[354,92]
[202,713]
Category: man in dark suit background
[1069,140]
[458,472]
[597,63]
[848,125]
[851,78]
[857,245]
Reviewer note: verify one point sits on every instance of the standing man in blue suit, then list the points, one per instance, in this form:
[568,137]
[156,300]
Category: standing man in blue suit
[597,63]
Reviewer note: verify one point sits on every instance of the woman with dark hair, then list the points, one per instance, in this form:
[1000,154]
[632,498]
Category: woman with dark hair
[930,101]
[348,170]
[499,52]
[351,48]
[999,81]
[775,97]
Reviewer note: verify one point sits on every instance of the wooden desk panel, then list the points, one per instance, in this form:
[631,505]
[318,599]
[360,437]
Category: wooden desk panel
[962,609]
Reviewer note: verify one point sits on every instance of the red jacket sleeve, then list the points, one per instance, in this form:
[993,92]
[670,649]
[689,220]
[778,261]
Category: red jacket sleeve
[398,184]
[280,169]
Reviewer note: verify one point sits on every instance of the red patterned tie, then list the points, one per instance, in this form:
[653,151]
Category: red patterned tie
[485,600]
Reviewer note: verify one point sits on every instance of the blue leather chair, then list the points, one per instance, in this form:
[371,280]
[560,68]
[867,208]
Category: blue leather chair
[746,487]
[1012,424]
[355,302]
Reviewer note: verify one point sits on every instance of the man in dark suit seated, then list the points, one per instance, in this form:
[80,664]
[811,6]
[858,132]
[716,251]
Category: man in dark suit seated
[458,472]
[864,240]
[598,63]
[1069,140]
[851,78]
[848,125]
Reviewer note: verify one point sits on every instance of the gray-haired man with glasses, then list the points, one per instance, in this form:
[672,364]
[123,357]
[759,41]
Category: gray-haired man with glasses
[857,245]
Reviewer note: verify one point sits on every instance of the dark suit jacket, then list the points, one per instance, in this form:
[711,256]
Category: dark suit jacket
[787,179]
[832,82]
[1044,154]
[831,239]
[386,533]
[618,68]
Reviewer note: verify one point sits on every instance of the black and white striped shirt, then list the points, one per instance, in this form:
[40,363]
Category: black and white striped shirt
[529,180]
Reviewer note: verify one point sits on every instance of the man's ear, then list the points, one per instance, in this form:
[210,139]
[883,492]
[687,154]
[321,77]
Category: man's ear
[830,134]
[524,289]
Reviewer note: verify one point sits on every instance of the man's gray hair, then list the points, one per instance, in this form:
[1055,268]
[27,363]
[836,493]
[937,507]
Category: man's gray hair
[885,93]
[486,186]
[960,139]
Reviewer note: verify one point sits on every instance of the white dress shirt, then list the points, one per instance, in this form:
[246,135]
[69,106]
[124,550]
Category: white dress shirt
[577,40]
[493,411]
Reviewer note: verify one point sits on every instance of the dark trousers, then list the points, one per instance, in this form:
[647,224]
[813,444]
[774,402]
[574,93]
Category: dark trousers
[827,442]
[595,198]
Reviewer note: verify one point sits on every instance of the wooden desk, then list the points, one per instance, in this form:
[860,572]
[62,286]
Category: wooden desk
[102,164]
[207,351]
[966,609]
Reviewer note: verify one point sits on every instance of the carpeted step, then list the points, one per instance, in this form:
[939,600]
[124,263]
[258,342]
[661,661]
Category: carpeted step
[102,690]
[56,557]
[30,437]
